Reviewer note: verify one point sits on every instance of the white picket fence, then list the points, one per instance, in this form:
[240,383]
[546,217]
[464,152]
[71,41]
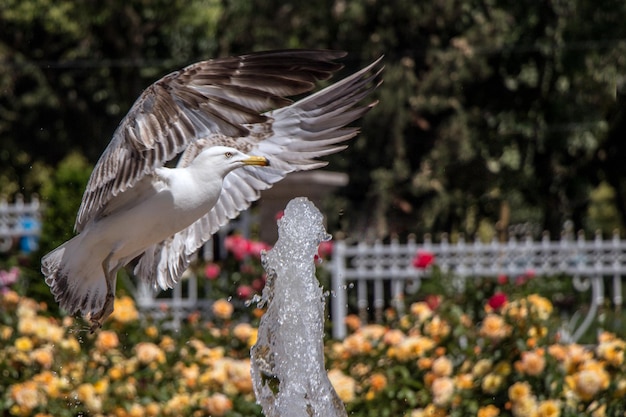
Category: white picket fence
[386,270]
[20,224]
[381,274]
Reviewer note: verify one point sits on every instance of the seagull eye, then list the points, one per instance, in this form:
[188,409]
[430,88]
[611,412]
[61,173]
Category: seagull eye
[228,155]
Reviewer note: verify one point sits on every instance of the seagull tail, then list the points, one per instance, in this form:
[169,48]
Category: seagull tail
[71,287]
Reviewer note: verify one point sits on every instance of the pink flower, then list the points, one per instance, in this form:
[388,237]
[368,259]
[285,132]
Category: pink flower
[244,292]
[325,248]
[212,271]
[9,277]
[255,248]
[238,245]
[497,300]
[502,279]
[423,259]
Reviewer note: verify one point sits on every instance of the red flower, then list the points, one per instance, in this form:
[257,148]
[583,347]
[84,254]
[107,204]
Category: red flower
[423,259]
[502,279]
[244,292]
[212,271]
[433,301]
[497,300]
[325,248]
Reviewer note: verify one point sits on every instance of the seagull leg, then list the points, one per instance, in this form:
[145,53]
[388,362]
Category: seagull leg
[109,301]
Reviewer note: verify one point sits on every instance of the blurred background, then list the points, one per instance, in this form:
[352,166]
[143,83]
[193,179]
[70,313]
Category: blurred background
[495,117]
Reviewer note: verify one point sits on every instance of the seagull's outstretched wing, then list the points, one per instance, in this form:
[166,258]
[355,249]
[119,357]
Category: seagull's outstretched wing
[216,97]
[291,138]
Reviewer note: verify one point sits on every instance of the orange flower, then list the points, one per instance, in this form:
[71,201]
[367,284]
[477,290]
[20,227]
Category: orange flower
[353,322]
[549,408]
[488,411]
[222,309]
[464,381]
[107,340]
[43,356]
[217,404]
[378,381]
[149,353]
[27,397]
[393,337]
[124,310]
[532,363]
[518,391]
[442,366]
[494,327]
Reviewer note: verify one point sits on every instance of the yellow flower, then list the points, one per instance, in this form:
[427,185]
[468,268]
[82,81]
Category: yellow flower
[421,311]
[23,344]
[612,351]
[136,410]
[442,390]
[51,384]
[432,410]
[343,384]
[87,394]
[481,368]
[412,347]
[149,353]
[494,327]
[590,380]
[541,306]
[152,332]
[525,407]
[442,366]
[437,328]
[464,381]
[6,332]
[124,310]
[549,408]
[356,344]
[106,341]
[373,331]
[70,344]
[519,391]
[152,410]
[491,383]
[242,331]
[222,309]
[488,411]
[177,405]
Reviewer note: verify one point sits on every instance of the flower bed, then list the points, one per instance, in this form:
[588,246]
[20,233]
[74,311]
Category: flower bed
[434,361]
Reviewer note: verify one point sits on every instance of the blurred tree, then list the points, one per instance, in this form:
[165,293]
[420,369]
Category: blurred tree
[492,112]
[72,70]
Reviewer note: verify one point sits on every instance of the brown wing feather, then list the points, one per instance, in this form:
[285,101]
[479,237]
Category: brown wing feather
[211,97]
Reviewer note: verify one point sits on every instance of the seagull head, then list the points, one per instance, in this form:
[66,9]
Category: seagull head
[226,159]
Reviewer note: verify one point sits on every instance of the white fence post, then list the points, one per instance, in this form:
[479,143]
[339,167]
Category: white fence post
[588,262]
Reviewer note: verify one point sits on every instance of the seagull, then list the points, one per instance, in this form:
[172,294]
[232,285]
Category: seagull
[197,148]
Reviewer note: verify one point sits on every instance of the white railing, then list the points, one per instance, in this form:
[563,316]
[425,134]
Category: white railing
[387,270]
[20,224]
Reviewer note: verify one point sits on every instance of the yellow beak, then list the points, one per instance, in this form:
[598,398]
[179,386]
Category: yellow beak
[257,160]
